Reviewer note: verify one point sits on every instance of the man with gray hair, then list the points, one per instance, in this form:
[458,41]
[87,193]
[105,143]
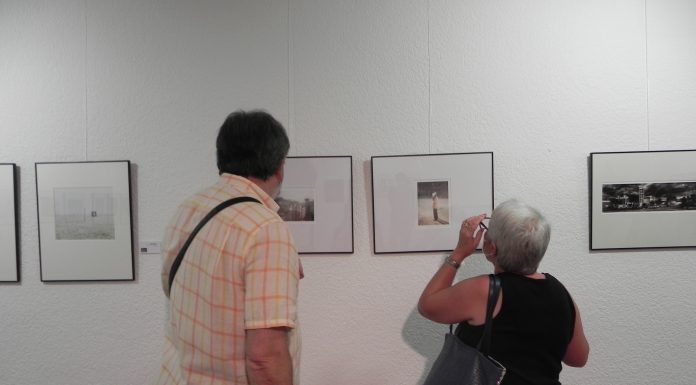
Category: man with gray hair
[233,294]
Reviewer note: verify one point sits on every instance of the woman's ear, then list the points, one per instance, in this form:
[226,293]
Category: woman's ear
[490,251]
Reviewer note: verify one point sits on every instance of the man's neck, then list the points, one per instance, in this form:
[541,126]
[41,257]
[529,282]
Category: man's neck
[269,186]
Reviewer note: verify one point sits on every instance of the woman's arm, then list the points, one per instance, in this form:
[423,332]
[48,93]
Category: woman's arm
[578,348]
[444,303]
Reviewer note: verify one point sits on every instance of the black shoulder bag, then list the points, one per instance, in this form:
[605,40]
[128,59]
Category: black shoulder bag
[461,364]
[215,210]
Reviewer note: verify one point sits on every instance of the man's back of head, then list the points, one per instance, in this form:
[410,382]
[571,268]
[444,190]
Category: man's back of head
[251,144]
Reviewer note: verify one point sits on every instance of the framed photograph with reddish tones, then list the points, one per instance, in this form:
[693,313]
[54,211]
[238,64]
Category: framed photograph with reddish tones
[316,201]
[9,224]
[420,201]
[85,221]
[642,199]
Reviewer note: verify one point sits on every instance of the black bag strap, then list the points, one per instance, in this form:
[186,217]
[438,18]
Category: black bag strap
[493,291]
[211,214]
[484,345]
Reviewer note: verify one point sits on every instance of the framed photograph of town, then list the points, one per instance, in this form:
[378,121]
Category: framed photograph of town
[642,199]
[85,221]
[420,201]
[316,201]
[9,235]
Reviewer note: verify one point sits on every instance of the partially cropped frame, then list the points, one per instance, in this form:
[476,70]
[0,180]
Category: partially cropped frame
[642,199]
[420,201]
[9,224]
[85,221]
[316,202]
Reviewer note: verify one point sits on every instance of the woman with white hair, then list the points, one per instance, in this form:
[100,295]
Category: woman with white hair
[536,323]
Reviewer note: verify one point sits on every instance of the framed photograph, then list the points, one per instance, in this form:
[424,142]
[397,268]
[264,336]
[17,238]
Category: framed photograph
[642,199]
[316,201]
[9,224]
[420,201]
[85,221]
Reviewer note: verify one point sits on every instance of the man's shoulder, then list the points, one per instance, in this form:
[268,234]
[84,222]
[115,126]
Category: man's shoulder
[250,215]
[253,212]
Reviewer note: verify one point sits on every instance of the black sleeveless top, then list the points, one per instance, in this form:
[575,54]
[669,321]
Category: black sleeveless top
[531,331]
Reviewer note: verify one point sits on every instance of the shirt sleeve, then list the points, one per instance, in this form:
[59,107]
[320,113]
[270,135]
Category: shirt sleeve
[173,241]
[271,279]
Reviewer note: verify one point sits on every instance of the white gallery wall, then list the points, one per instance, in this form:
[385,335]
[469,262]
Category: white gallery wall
[540,83]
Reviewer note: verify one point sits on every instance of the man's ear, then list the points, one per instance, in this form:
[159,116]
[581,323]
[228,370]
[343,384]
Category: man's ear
[280,173]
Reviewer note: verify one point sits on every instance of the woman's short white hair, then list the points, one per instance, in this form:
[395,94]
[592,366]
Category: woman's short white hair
[521,235]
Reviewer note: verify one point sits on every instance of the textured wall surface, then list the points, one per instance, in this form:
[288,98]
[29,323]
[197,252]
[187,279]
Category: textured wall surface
[540,83]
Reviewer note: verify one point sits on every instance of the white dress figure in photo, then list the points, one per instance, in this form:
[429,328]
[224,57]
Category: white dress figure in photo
[436,206]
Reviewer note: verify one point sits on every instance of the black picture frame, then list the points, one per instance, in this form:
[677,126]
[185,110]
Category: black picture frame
[642,199]
[316,202]
[85,218]
[419,201]
[10,270]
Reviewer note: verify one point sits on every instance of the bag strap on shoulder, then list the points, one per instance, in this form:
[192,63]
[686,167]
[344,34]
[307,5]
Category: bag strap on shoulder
[484,344]
[210,215]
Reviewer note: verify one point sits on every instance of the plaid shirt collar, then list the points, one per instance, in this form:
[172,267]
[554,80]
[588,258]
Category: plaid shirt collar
[240,186]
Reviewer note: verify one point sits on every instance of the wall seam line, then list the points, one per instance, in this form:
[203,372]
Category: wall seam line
[430,136]
[647,74]
[291,110]
[84,78]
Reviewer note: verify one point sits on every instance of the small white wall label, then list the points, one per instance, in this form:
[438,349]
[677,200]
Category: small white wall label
[150,247]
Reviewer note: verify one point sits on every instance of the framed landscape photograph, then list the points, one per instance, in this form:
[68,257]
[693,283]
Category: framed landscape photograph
[316,201]
[9,224]
[642,199]
[85,221]
[420,201]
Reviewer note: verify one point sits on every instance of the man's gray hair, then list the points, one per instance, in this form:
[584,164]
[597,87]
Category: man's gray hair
[521,235]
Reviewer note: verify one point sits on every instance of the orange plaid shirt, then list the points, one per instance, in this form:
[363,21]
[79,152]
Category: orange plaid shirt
[240,272]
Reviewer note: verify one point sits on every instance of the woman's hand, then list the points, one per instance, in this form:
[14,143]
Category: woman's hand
[470,235]
[442,302]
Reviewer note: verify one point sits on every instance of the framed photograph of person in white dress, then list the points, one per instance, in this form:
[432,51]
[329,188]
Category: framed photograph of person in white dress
[642,199]
[85,221]
[419,201]
[316,202]
[9,224]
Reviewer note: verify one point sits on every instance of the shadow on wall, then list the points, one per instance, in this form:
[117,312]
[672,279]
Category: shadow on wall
[425,337]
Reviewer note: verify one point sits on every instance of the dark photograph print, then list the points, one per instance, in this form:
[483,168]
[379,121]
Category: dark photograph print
[433,203]
[296,204]
[648,197]
[84,213]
